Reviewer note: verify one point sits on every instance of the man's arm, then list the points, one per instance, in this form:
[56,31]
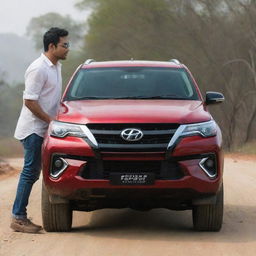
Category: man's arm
[35,108]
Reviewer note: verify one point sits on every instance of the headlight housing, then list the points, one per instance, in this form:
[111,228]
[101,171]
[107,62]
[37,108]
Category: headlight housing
[61,130]
[206,129]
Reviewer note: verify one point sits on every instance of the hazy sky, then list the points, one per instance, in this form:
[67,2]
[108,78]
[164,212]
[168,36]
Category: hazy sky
[16,14]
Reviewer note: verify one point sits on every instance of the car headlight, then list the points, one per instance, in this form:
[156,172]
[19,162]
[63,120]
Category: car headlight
[61,130]
[206,129]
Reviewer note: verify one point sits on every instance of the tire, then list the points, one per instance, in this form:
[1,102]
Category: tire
[56,217]
[209,217]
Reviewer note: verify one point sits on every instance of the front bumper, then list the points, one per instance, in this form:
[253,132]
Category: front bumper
[187,155]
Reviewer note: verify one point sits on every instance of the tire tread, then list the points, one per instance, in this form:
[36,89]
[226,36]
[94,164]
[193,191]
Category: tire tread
[209,217]
[56,217]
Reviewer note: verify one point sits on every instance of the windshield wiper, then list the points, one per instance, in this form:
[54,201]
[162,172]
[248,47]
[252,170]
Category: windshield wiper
[170,96]
[110,97]
[130,97]
[91,98]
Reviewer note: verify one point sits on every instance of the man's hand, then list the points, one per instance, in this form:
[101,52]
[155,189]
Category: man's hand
[35,108]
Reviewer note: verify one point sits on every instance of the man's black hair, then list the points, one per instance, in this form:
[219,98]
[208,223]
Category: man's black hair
[53,36]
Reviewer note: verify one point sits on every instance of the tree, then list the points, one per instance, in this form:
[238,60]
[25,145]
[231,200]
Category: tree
[39,25]
[10,102]
[127,29]
[2,79]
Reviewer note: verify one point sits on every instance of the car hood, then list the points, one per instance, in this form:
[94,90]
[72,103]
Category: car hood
[133,111]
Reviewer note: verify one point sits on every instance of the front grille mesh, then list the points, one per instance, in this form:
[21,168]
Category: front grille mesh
[156,137]
[101,169]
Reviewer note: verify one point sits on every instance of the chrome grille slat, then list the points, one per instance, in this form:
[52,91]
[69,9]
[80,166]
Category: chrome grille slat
[156,136]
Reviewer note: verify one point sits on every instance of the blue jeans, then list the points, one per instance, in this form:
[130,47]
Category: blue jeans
[29,175]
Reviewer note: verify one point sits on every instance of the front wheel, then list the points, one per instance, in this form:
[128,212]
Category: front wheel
[209,217]
[56,217]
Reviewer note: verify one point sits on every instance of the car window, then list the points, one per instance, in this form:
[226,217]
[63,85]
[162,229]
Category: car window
[132,82]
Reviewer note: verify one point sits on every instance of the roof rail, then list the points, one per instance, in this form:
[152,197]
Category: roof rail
[88,61]
[175,61]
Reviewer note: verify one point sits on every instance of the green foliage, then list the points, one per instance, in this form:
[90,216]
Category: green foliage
[128,29]
[39,25]
[10,102]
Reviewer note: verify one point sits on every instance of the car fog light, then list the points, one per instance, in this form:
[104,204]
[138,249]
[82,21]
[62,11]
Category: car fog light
[209,166]
[209,163]
[58,163]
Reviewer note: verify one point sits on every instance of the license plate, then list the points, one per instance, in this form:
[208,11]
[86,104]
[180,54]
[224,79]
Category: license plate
[132,178]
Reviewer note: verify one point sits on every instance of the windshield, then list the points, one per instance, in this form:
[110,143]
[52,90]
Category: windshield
[132,83]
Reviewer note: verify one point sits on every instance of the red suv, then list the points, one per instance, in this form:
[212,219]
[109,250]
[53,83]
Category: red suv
[133,134]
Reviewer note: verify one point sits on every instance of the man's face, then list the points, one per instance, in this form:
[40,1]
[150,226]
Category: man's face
[61,50]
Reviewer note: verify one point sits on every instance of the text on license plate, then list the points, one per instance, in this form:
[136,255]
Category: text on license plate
[132,178]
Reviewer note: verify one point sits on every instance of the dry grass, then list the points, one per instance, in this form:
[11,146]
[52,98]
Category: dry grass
[248,148]
[10,147]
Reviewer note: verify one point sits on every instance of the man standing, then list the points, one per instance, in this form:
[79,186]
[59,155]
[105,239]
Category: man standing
[43,84]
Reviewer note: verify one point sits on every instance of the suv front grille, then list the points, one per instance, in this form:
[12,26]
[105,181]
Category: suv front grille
[156,137]
[101,169]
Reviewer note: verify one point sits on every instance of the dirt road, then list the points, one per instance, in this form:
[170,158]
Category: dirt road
[131,233]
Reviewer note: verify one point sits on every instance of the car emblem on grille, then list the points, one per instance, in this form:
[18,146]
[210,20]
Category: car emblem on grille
[131,134]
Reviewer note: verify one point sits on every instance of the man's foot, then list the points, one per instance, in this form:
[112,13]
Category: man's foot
[25,226]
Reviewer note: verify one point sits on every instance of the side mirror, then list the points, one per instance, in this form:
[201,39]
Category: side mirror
[213,98]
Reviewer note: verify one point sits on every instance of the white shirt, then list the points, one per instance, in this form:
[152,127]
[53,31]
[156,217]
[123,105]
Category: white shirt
[43,83]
